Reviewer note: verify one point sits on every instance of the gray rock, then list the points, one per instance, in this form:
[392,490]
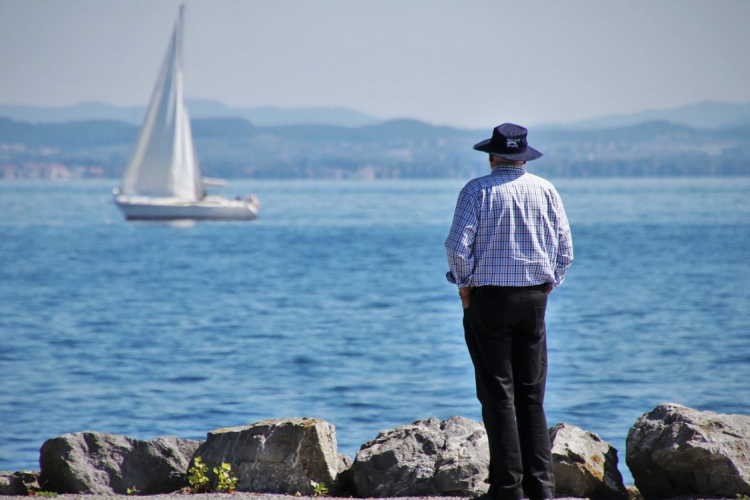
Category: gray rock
[277,456]
[675,450]
[633,493]
[584,465]
[18,483]
[344,463]
[93,462]
[427,457]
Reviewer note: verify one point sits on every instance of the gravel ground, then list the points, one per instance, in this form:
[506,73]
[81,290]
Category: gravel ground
[238,495]
[221,496]
[259,496]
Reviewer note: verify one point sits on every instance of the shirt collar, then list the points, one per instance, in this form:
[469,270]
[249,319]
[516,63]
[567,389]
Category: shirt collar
[508,167]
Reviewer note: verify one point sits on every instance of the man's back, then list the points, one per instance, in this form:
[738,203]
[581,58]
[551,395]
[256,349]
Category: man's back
[509,229]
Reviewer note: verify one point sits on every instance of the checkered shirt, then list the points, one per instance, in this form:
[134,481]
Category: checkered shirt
[509,229]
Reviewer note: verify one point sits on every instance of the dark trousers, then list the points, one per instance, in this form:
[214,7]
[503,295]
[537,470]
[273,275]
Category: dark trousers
[506,337]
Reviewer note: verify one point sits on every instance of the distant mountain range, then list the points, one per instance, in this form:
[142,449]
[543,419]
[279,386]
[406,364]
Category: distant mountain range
[236,148]
[711,115]
[266,116]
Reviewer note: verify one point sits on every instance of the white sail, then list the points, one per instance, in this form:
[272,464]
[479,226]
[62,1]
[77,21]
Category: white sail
[163,181]
[164,163]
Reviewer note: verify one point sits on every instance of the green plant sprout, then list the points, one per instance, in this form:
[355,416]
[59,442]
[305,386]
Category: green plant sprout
[225,481]
[199,482]
[319,489]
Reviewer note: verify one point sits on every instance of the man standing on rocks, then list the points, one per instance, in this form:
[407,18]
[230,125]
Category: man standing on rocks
[509,246]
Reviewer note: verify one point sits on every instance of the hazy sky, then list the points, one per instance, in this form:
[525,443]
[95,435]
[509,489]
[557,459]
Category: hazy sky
[462,62]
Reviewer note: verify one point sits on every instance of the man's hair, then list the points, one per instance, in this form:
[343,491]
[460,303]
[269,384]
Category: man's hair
[505,160]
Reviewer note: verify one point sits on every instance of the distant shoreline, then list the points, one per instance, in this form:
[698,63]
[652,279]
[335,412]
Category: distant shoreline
[235,148]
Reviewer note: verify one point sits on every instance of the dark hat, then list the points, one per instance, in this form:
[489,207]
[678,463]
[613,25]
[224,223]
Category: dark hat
[509,141]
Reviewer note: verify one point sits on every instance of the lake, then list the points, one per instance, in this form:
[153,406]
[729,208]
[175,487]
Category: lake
[334,305]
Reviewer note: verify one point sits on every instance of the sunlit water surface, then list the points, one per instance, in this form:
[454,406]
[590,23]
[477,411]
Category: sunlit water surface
[334,305]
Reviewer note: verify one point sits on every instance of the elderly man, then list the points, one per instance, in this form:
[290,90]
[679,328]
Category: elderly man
[509,246]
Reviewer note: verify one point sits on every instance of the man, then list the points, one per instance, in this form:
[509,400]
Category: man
[509,246]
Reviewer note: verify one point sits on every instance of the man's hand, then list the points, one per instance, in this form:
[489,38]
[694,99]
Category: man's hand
[465,294]
[550,287]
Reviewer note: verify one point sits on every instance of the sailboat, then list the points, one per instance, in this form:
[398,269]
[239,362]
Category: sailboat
[163,180]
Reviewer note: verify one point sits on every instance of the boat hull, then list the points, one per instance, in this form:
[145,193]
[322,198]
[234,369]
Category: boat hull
[215,208]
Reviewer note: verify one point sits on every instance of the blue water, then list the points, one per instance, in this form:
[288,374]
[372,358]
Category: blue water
[334,305]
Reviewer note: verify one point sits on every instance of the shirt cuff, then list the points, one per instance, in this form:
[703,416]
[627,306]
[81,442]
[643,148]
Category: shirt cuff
[461,284]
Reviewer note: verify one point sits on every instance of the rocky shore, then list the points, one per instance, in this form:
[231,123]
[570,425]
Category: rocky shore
[239,495]
[672,451]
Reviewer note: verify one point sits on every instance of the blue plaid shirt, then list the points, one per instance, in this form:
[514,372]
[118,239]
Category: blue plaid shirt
[509,229]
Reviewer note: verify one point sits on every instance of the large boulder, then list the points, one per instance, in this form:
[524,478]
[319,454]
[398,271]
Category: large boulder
[427,457]
[675,450]
[18,483]
[584,465]
[277,456]
[94,462]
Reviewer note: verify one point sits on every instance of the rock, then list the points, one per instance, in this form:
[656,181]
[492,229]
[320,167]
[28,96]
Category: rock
[94,462]
[427,457]
[9,485]
[18,483]
[633,493]
[344,463]
[277,456]
[675,450]
[584,465]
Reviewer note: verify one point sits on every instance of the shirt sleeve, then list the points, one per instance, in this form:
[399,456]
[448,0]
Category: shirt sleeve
[564,245]
[459,245]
